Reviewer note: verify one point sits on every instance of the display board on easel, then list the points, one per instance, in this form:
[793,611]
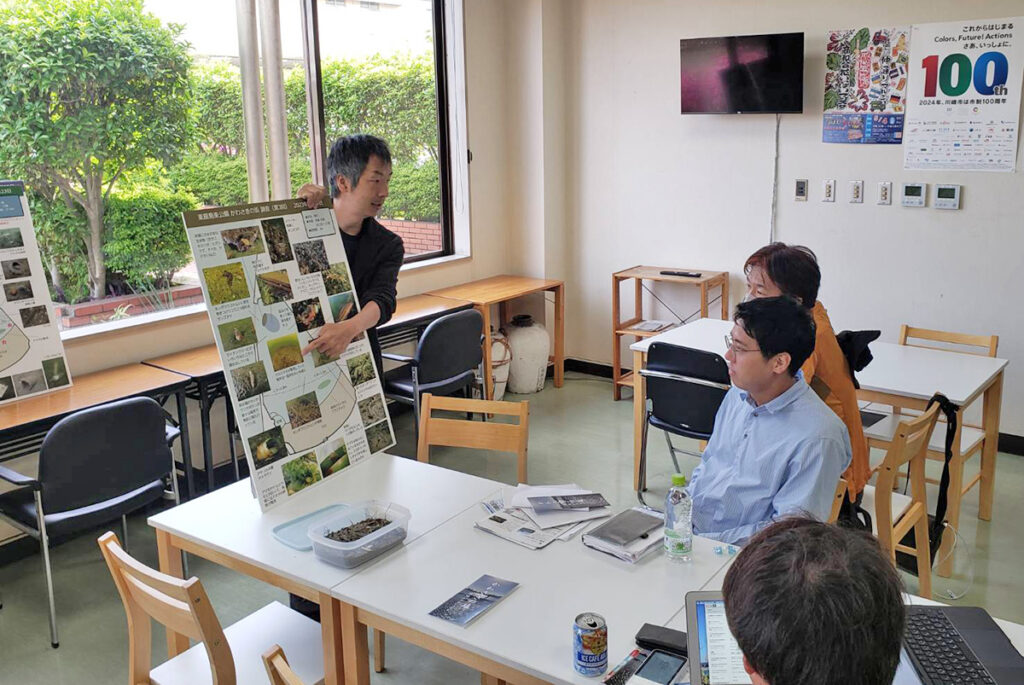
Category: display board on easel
[273,274]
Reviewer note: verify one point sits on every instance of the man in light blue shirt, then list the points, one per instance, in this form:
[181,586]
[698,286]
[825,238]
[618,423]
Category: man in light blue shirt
[777,449]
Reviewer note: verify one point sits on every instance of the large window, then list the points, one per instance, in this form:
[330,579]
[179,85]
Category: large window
[141,119]
[381,71]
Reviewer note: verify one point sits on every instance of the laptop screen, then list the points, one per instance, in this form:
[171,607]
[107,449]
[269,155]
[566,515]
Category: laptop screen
[721,661]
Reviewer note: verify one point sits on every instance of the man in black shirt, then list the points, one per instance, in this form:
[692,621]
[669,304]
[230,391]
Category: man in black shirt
[359,167]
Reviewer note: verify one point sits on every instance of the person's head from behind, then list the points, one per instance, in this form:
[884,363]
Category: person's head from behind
[781,269]
[359,167]
[814,604]
[771,339]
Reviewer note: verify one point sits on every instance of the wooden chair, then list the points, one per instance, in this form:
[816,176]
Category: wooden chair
[971,438]
[278,670]
[908,448]
[224,657]
[837,500]
[500,437]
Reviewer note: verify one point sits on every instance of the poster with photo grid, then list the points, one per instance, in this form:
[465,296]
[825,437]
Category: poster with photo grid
[31,352]
[273,274]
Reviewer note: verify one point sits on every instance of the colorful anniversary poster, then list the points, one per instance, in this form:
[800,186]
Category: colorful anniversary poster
[31,353]
[273,274]
[964,100]
[865,85]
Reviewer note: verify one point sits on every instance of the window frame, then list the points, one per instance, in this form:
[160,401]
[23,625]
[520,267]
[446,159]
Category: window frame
[315,112]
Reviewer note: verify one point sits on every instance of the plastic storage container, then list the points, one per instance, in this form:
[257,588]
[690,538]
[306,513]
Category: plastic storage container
[351,554]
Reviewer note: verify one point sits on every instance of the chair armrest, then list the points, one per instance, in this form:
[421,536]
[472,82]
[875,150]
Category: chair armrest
[15,478]
[398,357]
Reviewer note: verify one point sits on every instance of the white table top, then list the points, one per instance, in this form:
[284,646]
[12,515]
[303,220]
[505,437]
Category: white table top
[229,520]
[531,629]
[702,334]
[919,372]
[896,369]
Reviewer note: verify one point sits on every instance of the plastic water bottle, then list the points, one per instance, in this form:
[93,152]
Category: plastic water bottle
[678,525]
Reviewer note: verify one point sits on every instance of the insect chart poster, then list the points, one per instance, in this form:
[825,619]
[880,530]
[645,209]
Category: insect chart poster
[963,108]
[865,85]
[273,274]
[31,352]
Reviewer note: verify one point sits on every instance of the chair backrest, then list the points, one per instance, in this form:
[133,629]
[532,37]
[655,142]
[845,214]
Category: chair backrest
[278,670]
[102,452]
[837,500]
[180,605]
[489,435]
[988,344]
[686,387]
[909,445]
[450,346]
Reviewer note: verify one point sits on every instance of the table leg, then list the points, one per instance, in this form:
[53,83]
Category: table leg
[355,647]
[186,447]
[229,416]
[703,300]
[169,556]
[990,421]
[491,680]
[378,651]
[639,402]
[559,335]
[954,497]
[485,310]
[330,626]
[204,414]
[502,314]
[725,297]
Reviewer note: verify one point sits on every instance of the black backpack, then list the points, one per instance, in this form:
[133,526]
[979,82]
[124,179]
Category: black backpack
[936,522]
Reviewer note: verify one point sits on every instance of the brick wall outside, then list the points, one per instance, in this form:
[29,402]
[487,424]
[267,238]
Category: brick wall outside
[418,236]
[96,311]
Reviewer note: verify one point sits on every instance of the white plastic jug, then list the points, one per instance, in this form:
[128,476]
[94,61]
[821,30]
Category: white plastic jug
[530,350]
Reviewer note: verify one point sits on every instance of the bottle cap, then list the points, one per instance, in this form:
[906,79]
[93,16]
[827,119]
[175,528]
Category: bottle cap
[678,479]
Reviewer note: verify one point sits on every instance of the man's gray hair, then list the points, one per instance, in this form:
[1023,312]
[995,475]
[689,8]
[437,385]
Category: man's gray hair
[349,156]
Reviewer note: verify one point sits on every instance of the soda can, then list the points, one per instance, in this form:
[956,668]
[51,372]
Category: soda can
[590,644]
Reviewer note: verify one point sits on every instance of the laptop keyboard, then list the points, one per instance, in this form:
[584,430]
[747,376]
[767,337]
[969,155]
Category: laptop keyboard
[940,653]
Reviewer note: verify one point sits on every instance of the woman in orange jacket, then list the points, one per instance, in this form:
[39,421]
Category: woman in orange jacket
[780,269]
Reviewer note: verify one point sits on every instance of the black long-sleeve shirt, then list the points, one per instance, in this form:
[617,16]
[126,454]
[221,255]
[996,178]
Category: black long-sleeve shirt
[375,255]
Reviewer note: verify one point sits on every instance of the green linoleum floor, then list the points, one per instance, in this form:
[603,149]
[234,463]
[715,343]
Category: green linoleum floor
[577,434]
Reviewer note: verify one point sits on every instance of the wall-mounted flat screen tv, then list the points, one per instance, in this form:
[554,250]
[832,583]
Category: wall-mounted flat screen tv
[742,74]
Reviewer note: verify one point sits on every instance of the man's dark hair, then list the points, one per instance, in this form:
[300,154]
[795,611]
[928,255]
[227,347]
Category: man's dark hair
[778,324]
[794,268]
[815,604]
[349,156]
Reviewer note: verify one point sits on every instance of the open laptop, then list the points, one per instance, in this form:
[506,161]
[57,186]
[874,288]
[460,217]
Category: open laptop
[716,659]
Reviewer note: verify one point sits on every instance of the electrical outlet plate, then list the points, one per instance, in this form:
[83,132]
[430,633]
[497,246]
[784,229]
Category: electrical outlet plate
[856,191]
[885,192]
[800,191]
[829,190]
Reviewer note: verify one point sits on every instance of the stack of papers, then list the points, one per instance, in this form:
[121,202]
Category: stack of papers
[629,535]
[534,516]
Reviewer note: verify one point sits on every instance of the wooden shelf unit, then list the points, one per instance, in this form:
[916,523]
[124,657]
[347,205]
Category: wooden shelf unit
[624,328]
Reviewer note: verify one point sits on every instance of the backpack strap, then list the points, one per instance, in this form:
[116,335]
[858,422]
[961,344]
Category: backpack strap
[950,411]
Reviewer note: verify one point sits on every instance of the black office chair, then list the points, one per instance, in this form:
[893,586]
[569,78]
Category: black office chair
[685,387]
[94,466]
[447,359]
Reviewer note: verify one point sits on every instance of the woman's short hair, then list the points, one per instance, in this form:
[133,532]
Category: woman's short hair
[794,268]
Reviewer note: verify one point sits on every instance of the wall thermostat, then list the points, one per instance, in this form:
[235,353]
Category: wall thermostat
[914,194]
[946,196]
[800,194]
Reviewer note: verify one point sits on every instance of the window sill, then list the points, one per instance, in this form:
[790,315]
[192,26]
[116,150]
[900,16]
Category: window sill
[200,308]
[436,261]
[141,320]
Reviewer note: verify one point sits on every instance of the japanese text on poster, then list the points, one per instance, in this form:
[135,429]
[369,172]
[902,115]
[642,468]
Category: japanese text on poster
[865,85]
[273,274]
[964,98]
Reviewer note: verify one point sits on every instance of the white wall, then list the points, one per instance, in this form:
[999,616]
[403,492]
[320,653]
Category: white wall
[649,186]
